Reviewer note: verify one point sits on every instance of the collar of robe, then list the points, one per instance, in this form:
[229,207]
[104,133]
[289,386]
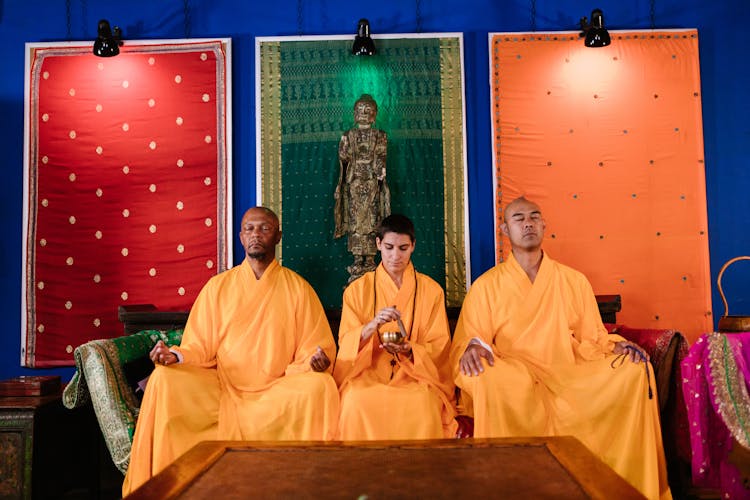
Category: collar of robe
[414,298]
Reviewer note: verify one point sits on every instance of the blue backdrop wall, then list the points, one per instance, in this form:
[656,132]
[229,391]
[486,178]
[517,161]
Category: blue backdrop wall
[725,72]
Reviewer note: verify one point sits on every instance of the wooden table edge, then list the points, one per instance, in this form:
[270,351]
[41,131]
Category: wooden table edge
[594,477]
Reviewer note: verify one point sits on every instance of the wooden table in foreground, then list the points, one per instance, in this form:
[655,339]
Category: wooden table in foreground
[545,467]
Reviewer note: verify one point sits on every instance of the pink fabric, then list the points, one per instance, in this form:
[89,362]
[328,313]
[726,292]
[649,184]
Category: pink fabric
[711,439]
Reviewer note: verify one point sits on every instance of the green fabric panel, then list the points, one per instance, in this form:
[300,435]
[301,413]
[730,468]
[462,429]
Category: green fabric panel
[321,80]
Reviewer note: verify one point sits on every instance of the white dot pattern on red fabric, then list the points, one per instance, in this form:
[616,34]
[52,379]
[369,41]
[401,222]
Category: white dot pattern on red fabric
[123,159]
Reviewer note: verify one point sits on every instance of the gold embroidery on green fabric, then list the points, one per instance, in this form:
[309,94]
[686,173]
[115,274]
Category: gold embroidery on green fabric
[314,97]
[453,170]
[729,389]
[270,130]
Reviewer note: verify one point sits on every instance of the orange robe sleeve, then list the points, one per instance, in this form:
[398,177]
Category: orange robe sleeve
[313,329]
[590,339]
[200,339]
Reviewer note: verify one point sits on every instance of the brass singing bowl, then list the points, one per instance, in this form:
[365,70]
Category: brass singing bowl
[391,338]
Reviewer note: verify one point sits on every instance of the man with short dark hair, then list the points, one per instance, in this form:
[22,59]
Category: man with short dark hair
[394,340]
[532,358]
[251,365]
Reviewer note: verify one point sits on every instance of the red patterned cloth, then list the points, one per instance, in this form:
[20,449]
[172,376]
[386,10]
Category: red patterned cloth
[126,187]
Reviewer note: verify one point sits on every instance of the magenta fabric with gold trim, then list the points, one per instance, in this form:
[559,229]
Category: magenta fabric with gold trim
[715,384]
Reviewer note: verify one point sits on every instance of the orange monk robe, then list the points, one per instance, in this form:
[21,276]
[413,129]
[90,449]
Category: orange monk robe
[245,373]
[417,402]
[553,372]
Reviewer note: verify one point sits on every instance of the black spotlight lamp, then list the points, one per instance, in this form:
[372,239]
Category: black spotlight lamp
[596,35]
[363,44]
[107,42]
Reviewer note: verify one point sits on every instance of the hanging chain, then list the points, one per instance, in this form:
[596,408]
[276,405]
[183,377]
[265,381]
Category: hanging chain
[533,15]
[68,17]
[653,14]
[186,10]
[299,17]
[418,14]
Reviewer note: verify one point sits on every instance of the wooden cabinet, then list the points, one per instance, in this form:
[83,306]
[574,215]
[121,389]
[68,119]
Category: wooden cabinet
[22,422]
[47,450]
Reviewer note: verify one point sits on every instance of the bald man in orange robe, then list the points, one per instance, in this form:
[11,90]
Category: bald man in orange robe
[532,358]
[252,364]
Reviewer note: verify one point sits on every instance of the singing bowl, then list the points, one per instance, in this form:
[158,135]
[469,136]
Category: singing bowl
[391,338]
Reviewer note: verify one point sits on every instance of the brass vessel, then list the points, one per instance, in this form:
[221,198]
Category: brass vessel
[391,338]
[727,323]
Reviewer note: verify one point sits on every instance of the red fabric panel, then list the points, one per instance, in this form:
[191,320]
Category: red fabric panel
[609,142]
[126,188]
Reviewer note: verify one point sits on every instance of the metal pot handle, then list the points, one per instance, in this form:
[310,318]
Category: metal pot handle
[721,273]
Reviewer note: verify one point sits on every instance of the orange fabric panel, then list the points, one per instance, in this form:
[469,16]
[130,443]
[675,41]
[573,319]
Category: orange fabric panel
[609,142]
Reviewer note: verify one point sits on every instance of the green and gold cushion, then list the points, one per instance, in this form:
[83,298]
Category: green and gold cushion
[102,377]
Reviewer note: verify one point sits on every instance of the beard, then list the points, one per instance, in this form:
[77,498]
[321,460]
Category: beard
[257,255]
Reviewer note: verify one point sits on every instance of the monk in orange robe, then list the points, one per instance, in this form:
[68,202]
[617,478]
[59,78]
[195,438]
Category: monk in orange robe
[395,388]
[532,358]
[251,366]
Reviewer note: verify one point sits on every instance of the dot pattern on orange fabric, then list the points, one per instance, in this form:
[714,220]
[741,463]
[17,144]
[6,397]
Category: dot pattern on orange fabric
[609,142]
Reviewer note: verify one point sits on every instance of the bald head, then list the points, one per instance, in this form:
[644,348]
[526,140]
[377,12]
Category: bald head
[263,212]
[520,204]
